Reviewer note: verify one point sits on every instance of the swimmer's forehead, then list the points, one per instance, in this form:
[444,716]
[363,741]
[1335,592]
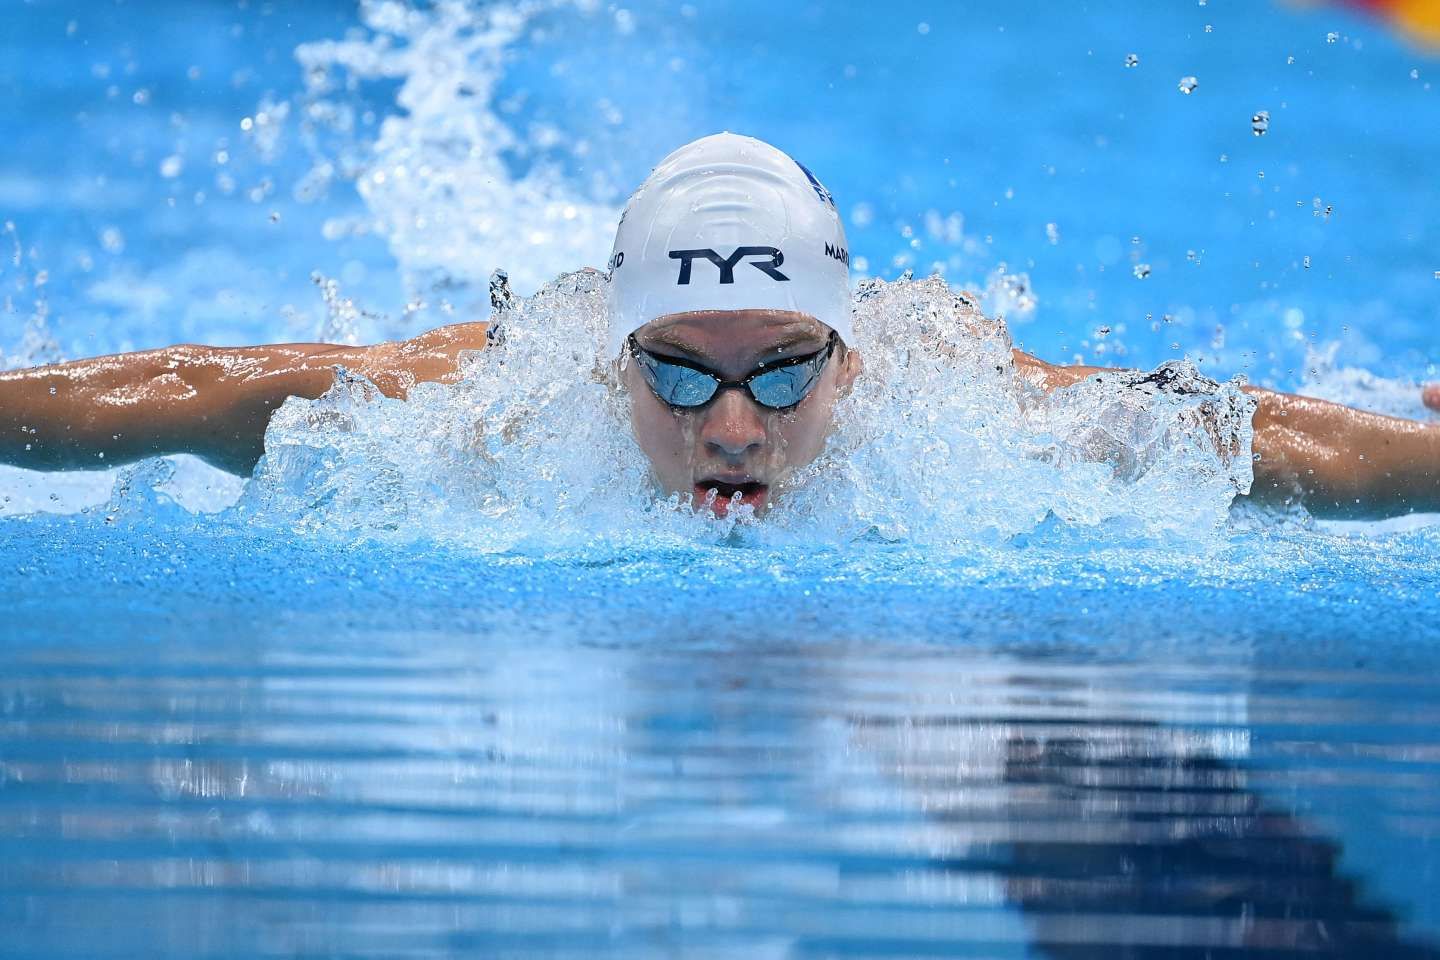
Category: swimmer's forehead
[719,335]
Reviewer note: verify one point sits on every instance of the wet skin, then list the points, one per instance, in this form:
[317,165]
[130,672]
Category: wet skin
[733,445]
[215,402]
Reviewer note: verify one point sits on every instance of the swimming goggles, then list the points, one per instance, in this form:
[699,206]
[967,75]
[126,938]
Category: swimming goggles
[687,385]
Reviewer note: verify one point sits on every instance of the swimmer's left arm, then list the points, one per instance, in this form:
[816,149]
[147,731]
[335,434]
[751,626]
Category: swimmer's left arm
[1338,461]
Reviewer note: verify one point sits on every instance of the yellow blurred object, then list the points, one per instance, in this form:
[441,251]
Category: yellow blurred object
[1419,17]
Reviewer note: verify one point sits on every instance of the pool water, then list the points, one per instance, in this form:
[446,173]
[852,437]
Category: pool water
[995,685]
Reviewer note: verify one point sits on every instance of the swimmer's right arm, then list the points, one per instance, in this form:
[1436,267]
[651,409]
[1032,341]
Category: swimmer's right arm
[213,402]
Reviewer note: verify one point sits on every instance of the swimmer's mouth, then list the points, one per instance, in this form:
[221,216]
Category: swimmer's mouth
[752,493]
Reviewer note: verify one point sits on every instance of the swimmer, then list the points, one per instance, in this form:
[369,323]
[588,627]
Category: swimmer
[730,298]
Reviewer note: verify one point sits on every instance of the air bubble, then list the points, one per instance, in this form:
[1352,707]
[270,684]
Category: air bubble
[1188,84]
[1260,123]
[1131,60]
[1141,271]
[1332,37]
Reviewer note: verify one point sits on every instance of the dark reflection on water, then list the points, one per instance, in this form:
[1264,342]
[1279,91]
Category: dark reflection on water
[384,794]
[1237,876]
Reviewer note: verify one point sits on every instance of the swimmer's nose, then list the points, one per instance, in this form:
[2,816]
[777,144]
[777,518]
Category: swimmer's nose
[733,424]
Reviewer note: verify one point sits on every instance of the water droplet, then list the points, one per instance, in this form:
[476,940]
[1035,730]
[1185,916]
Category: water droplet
[247,124]
[1141,271]
[1332,37]
[171,166]
[1209,28]
[1260,123]
[1437,274]
[1052,233]
[1305,262]
[1289,60]
[1188,85]
[274,216]
[1414,74]
[922,28]
[1132,60]
[1224,158]
[52,391]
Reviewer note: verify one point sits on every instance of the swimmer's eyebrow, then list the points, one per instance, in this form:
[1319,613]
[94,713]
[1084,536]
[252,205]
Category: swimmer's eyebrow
[677,342]
[795,336]
[786,338]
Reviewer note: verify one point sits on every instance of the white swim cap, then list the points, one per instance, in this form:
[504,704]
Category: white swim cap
[729,223]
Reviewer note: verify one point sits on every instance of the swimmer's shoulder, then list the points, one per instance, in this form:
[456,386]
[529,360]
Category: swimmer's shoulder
[453,338]
[431,357]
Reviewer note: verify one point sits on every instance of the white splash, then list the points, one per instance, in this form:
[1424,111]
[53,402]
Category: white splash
[436,180]
[941,443]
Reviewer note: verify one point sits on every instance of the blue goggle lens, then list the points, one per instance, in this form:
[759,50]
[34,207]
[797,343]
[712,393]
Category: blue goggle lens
[680,385]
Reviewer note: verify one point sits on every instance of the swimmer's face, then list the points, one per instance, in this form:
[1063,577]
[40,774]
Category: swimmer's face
[733,444]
